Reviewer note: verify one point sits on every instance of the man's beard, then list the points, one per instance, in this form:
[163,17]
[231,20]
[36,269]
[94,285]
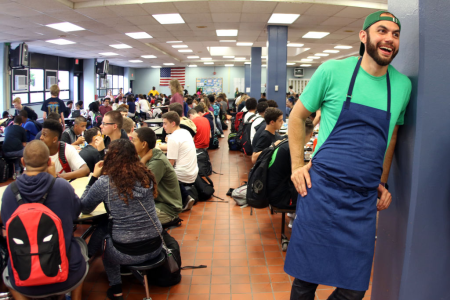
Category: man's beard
[372,50]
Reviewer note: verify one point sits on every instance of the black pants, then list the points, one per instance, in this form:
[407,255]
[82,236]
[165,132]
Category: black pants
[184,193]
[302,290]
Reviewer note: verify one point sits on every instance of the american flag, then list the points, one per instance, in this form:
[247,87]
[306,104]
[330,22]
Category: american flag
[167,74]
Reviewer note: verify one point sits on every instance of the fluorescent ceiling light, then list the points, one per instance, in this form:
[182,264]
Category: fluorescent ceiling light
[139,35]
[315,35]
[60,42]
[244,44]
[120,46]
[185,50]
[239,58]
[231,56]
[227,41]
[206,58]
[148,56]
[283,18]
[343,47]
[305,65]
[264,57]
[208,63]
[321,54]
[263,66]
[65,26]
[247,63]
[169,18]
[108,54]
[192,66]
[135,61]
[331,51]
[168,64]
[179,46]
[173,42]
[314,57]
[156,67]
[227,32]
[195,56]
[290,64]
[307,60]
[228,65]
[295,45]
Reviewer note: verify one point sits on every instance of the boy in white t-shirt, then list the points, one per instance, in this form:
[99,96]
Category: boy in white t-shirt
[181,154]
[67,166]
[260,109]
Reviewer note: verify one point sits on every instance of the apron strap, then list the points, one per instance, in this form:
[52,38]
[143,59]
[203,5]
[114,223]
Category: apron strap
[352,84]
[388,116]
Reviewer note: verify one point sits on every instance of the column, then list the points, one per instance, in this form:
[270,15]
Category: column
[89,81]
[276,65]
[255,73]
[5,85]
[247,78]
[413,245]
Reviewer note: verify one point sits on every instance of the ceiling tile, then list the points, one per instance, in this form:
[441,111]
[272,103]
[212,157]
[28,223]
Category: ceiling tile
[359,23]
[176,27]
[114,22]
[205,33]
[129,10]
[195,7]
[181,33]
[225,6]
[305,20]
[97,12]
[252,26]
[258,7]
[255,18]
[125,29]
[17,10]
[323,10]
[195,18]
[142,21]
[162,34]
[227,17]
[151,29]
[70,16]
[46,6]
[292,8]
[16,22]
[209,26]
[160,8]
[249,33]
[336,21]
[355,12]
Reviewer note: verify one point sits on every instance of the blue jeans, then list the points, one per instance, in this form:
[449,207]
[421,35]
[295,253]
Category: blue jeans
[218,124]
[18,154]
[302,290]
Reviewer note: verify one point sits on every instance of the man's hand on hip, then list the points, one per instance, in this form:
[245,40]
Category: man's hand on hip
[301,179]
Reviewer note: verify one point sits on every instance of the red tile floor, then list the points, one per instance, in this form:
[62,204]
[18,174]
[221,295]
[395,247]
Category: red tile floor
[242,251]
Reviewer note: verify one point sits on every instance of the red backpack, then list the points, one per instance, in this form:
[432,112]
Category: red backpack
[36,243]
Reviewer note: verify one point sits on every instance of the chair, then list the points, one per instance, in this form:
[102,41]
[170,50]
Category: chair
[284,239]
[140,270]
[12,161]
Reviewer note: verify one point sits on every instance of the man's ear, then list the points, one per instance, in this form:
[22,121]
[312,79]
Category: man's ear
[363,36]
[49,163]
[55,139]
[22,161]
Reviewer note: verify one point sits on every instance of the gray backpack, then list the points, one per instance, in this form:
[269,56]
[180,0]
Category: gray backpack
[240,195]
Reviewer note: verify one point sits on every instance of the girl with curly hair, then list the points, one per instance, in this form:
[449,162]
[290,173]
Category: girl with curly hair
[126,187]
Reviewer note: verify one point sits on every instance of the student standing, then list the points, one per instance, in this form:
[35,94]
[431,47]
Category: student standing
[177,92]
[17,102]
[54,104]
[363,102]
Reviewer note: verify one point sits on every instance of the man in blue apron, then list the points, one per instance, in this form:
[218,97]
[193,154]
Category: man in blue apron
[363,101]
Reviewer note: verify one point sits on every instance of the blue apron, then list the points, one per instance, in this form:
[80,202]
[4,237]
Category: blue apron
[333,236]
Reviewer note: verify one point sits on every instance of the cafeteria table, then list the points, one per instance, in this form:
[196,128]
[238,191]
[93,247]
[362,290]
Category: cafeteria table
[154,121]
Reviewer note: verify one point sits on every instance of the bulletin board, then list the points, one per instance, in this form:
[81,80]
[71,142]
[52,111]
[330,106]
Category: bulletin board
[209,85]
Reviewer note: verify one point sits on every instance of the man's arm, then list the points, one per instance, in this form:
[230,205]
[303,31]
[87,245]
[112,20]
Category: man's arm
[172,162]
[62,120]
[44,115]
[317,118]
[255,156]
[81,172]
[389,155]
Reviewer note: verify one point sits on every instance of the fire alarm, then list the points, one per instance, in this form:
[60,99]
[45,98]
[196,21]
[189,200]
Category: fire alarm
[214,73]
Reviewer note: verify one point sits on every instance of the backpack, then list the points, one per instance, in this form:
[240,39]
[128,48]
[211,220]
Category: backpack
[241,130]
[37,124]
[232,142]
[238,120]
[36,243]
[203,162]
[62,158]
[213,143]
[245,140]
[4,170]
[97,121]
[232,124]
[205,188]
[257,195]
[192,191]
[240,195]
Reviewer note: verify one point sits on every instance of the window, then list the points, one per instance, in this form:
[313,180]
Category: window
[112,82]
[23,97]
[63,78]
[36,80]
[36,97]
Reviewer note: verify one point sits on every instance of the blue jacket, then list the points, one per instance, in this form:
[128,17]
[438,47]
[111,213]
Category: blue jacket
[31,130]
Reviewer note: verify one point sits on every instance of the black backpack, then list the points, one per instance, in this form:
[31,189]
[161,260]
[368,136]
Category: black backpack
[232,122]
[204,187]
[4,170]
[257,194]
[245,141]
[241,130]
[203,162]
[213,143]
[37,124]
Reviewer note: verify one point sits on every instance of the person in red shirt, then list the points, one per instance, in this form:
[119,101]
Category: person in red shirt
[105,107]
[203,135]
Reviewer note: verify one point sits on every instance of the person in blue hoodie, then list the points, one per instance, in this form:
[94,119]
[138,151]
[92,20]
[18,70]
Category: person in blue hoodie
[63,201]
[29,126]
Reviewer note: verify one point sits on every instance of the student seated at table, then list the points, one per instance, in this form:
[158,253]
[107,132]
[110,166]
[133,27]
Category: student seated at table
[28,125]
[112,129]
[73,135]
[204,112]
[128,126]
[68,163]
[274,121]
[258,122]
[123,109]
[126,187]
[90,152]
[181,154]
[185,122]
[105,107]
[131,102]
[17,102]
[51,116]
[15,140]
[63,201]
[168,203]
[203,135]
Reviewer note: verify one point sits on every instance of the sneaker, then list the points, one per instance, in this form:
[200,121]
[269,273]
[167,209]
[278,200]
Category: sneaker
[291,215]
[290,223]
[222,135]
[189,204]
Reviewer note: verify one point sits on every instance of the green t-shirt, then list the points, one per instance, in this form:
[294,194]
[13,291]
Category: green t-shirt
[169,195]
[328,89]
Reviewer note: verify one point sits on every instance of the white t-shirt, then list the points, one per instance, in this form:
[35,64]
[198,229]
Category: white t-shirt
[248,115]
[144,105]
[181,147]
[73,158]
[255,123]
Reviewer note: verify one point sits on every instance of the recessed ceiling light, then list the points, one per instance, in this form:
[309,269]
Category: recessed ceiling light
[120,46]
[315,35]
[179,46]
[206,58]
[192,66]
[139,35]
[169,18]
[263,66]
[156,67]
[331,51]
[148,56]
[314,57]
[305,65]
[295,45]
[239,58]
[228,65]
[173,42]
[60,42]
[290,64]
[135,61]
[227,32]
[229,56]
[283,18]
[307,60]
[343,47]
[108,54]
[321,54]
[208,63]
[65,26]
[244,44]
[195,56]
[168,64]
[227,41]
[247,63]
[185,50]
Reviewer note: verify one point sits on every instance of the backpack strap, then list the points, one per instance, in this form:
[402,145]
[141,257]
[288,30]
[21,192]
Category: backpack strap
[48,191]
[62,158]
[19,199]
